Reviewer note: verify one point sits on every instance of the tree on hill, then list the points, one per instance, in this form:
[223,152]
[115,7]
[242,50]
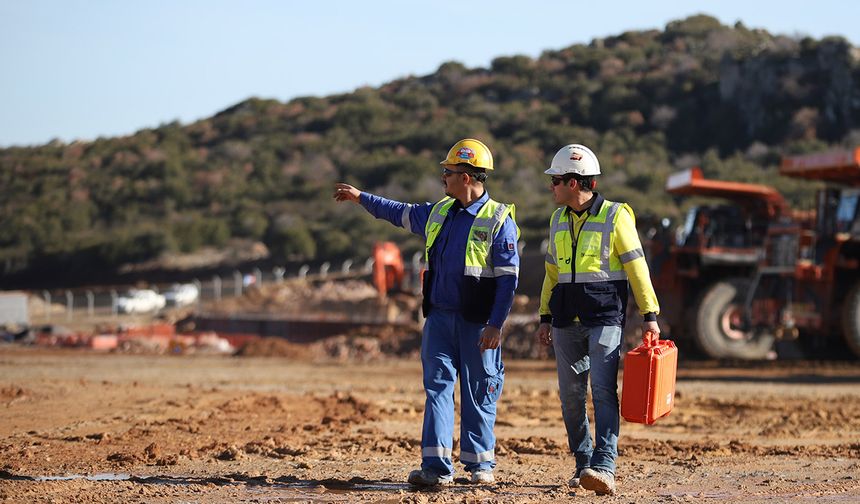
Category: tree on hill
[727,97]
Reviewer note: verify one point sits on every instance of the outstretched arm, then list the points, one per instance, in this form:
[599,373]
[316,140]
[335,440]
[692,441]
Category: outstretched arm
[411,217]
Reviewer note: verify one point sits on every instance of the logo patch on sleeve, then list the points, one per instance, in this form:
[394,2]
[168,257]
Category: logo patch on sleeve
[510,246]
[479,235]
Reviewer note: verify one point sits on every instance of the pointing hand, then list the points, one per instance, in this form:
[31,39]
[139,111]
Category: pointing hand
[345,192]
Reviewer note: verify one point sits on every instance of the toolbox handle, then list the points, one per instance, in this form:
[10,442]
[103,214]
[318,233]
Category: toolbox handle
[650,338]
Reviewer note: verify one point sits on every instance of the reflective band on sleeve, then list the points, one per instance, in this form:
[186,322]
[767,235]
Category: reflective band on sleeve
[478,271]
[404,219]
[549,258]
[601,276]
[506,270]
[566,277]
[633,254]
[477,457]
[436,451]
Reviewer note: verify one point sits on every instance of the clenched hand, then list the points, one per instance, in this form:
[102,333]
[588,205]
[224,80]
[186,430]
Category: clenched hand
[491,338]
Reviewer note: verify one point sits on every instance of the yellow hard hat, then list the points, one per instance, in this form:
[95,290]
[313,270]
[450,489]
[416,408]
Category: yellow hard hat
[470,151]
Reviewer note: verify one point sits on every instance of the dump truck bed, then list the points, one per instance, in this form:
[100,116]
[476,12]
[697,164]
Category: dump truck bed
[839,166]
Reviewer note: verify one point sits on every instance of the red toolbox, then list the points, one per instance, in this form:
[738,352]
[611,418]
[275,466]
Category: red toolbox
[648,387]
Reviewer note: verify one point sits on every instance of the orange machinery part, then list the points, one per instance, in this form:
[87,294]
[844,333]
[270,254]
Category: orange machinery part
[388,269]
[692,182]
[840,166]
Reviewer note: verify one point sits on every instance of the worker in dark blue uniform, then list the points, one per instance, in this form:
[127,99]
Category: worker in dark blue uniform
[472,267]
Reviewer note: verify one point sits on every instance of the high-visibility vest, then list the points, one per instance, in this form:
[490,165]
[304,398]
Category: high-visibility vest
[479,283]
[479,246]
[592,283]
[594,259]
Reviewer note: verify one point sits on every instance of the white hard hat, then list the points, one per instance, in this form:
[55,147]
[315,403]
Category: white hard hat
[574,158]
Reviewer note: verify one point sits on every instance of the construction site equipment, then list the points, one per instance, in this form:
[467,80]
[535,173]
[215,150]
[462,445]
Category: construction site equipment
[388,270]
[741,274]
[648,386]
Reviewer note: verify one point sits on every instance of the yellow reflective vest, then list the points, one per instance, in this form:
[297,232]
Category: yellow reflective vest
[587,269]
[479,285]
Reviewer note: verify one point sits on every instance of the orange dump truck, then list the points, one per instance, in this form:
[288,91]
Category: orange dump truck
[747,271]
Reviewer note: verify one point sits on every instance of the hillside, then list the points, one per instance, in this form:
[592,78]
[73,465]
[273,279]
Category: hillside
[731,99]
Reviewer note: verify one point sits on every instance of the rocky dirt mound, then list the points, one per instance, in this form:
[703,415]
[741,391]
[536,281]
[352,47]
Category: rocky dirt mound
[302,297]
[362,344]
[275,347]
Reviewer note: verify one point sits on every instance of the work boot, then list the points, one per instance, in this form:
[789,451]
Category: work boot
[425,478]
[599,482]
[483,477]
[574,481]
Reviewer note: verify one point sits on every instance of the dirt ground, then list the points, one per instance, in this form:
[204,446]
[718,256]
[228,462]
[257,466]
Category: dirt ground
[78,426]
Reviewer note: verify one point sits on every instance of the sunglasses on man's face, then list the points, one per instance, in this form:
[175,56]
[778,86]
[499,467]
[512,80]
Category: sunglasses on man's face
[446,172]
[557,180]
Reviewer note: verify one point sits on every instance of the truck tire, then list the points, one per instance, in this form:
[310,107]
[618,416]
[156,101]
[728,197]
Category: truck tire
[717,318]
[851,320]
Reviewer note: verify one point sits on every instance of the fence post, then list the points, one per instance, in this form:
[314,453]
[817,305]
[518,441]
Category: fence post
[199,286]
[113,303]
[216,287]
[237,283]
[278,272]
[70,304]
[345,267]
[91,301]
[47,296]
[259,276]
[303,271]
[324,269]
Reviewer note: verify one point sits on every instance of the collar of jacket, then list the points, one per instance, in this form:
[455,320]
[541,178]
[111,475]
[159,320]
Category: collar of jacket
[594,209]
[475,206]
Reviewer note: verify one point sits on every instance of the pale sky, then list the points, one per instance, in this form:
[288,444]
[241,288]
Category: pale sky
[80,69]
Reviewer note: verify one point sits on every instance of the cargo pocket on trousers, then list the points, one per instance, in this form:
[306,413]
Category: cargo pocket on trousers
[490,389]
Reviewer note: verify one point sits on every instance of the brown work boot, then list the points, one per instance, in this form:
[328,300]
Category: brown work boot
[599,482]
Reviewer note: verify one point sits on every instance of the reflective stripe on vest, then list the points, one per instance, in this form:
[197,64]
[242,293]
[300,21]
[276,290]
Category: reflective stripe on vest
[595,261]
[479,246]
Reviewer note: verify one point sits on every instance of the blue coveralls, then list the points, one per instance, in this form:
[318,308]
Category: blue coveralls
[450,344]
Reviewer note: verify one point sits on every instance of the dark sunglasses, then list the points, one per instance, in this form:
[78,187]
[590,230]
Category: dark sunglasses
[557,180]
[446,172]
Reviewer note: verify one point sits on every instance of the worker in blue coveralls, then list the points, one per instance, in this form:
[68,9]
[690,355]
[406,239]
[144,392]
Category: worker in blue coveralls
[472,267]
